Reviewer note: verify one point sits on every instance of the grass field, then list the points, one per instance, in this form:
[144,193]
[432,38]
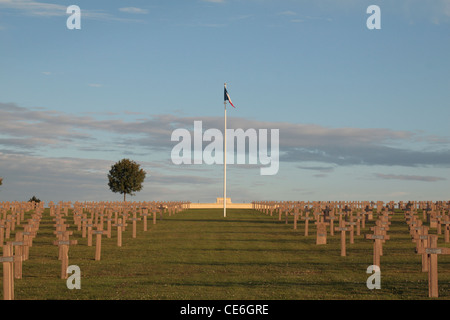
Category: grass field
[198,254]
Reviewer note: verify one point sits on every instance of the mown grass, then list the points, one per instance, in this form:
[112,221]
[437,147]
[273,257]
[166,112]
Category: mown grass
[198,254]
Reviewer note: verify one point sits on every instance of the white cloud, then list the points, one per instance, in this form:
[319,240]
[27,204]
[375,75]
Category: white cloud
[134,10]
[32,7]
[43,9]
[288,13]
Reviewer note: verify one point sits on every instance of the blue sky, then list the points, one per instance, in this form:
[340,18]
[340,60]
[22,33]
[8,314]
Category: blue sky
[363,114]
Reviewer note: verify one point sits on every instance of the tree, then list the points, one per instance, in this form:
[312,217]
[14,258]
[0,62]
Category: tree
[1,181]
[34,199]
[126,177]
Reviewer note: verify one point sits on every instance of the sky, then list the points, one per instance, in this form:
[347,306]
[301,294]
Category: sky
[362,113]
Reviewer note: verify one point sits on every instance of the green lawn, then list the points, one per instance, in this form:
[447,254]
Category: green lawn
[199,254]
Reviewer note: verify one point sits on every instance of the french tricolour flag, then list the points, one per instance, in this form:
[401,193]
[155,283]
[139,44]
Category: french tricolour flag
[227,97]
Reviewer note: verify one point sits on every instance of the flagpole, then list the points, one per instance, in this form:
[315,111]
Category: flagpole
[225,161]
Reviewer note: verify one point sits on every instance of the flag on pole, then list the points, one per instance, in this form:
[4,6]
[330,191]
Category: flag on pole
[227,97]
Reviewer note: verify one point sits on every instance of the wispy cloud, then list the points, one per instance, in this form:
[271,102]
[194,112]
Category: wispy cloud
[408,177]
[319,18]
[287,13]
[242,17]
[44,9]
[134,10]
[31,7]
[317,168]
[212,25]
[95,85]
[32,138]
[85,179]
[215,1]
[437,11]
[299,143]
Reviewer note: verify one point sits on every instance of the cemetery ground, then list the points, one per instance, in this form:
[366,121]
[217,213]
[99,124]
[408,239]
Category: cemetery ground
[249,255]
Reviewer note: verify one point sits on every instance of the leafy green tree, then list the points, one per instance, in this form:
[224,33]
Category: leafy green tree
[34,199]
[126,177]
